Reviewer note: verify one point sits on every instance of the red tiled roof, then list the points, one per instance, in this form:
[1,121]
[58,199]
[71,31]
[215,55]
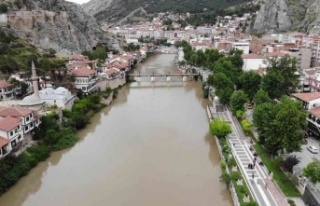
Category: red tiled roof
[3,141]
[252,56]
[310,72]
[306,97]
[83,72]
[199,44]
[4,84]
[111,71]
[9,123]
[14,111]
[315,111]
[276,54]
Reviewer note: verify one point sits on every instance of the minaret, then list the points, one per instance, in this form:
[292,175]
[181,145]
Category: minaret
[34,79]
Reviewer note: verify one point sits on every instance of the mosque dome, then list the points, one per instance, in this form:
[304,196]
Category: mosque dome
[31,100]
[47,91]
[61,91]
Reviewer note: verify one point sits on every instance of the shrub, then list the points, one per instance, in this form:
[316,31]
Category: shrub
[235,176]
[37,153]
[223,165]
[231,162]
[79,120]
[68,139]
[278,161]
[225,177]
[220,128]
[94,98]
[291,203]
[246,126]
[66,113]
[290,162]
[240,114]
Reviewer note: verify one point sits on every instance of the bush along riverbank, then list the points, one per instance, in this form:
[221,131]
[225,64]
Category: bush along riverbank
[54,133]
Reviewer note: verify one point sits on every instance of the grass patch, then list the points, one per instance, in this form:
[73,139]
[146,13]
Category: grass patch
[287,187]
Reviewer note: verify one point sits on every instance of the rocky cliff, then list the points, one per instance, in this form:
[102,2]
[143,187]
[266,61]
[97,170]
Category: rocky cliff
[56,24]
[286,15]
[113,10]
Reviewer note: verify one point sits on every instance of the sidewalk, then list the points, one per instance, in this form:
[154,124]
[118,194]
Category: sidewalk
[265,191]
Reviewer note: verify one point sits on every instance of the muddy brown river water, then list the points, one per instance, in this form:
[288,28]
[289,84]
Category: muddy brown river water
[151,147]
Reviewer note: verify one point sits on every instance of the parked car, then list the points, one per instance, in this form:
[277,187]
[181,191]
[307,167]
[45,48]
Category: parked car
[313,149]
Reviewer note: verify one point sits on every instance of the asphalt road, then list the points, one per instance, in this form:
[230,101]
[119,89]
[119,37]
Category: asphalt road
[305,155]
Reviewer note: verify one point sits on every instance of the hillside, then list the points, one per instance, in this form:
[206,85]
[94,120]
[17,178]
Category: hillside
[55,24]
[112,10]
[288,15]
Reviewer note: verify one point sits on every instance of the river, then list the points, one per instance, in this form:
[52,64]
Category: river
[150,147]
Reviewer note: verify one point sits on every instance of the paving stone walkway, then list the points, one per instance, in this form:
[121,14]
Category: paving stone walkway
[263,189]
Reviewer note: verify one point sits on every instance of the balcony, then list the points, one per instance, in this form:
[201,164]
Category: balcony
[3,92]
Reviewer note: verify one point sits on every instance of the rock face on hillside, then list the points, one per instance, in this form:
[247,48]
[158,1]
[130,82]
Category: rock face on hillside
[56,24]
[286,15]
[113,10]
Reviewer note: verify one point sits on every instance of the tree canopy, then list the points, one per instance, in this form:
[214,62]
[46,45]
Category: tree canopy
[261,97]
[312,171]
[220,128]
[250,82]
[237,100]
[281,78]
[279,125]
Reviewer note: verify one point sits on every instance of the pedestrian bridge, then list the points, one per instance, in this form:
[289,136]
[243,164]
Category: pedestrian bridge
[163,77]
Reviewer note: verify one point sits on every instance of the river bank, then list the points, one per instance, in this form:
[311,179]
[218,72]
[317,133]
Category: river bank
[143,150]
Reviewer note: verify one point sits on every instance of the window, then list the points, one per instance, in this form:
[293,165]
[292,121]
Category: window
[27,119]
[14,143]
[26,128]
[19,137]
[11,133]
[16,130]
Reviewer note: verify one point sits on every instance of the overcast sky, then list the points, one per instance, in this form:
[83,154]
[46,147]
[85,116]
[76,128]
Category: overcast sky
[79,1]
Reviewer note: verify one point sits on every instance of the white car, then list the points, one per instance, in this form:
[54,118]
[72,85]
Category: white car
[313,149]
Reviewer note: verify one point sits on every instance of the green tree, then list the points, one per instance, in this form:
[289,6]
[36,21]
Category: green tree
[261,97]
[220,128]
[279,125]
[99,52]
[237,100]
[220,81]
[290,120]
[281,78]
[224,87]
[273,83]
[312,171]
[250,83]
[224,95]
[263,116]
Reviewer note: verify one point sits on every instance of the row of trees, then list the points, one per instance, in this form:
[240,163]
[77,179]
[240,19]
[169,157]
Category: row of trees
[279,123]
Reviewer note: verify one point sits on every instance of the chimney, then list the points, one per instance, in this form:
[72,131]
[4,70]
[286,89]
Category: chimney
[34,79]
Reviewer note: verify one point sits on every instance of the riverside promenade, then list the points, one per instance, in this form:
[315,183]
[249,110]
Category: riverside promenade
[259,181]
